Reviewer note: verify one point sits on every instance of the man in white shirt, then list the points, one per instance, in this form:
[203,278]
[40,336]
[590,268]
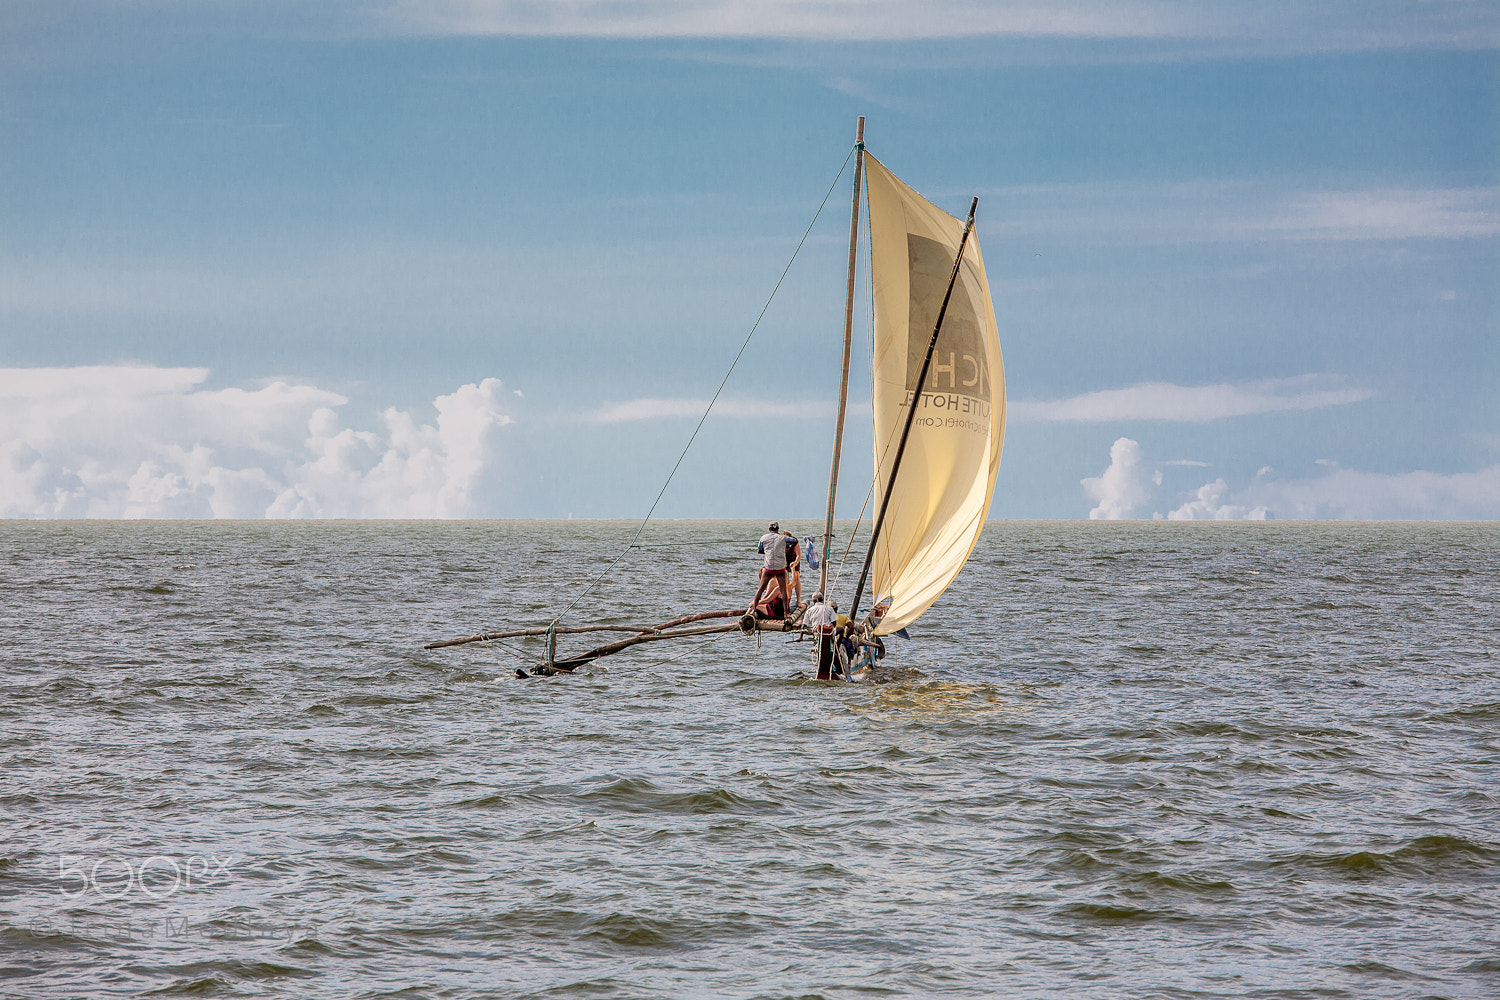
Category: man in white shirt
[822,619]
[773,544]
[819,616]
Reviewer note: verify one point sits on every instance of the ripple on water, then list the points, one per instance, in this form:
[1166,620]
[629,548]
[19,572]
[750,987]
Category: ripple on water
[1115,761]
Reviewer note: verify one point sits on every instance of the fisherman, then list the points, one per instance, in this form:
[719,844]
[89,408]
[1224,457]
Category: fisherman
[822,619]
[773,545]
[820,616]
[858,650]
[844,649]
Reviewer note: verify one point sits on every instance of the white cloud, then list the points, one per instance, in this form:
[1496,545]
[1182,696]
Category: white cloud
[138,441]
[1210,505]
[1155,29]
[1186,461]
[1250,26]
[1122,487]
[666,409]
[1196,404]
[1350,495]
[1385,214]
[1230,211]
[1125,488]
[810,19]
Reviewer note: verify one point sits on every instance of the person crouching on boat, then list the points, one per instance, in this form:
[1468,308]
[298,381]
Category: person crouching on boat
[772,605]
[773,545]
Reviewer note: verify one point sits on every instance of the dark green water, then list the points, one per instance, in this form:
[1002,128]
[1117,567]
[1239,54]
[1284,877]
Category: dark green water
[1141,760]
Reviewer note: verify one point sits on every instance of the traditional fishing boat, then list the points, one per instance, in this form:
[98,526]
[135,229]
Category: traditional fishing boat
[938,393]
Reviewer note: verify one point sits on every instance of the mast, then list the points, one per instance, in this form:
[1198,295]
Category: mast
[838,430]
[911,411]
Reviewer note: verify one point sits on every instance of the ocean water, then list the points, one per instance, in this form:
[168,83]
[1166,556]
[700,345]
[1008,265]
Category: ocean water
[1130,760]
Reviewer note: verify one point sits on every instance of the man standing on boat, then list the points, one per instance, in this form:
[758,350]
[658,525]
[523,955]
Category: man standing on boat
[773,544]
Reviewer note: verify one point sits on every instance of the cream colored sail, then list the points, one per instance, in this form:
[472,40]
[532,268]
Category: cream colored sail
[947,474]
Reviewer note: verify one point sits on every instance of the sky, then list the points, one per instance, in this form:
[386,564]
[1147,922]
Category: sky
[480,258]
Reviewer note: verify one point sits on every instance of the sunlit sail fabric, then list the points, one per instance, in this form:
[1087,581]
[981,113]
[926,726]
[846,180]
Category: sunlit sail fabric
[947,474]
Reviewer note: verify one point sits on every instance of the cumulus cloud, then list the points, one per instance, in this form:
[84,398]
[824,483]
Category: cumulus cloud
[665,409]
[1351,495]
[1123,487]
[1128,487]
[1195,404]
[140,441]
[1210,505]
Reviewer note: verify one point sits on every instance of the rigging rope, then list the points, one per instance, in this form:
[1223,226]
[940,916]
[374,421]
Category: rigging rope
[520,654]
[852,535]
[696,648]
[691,438]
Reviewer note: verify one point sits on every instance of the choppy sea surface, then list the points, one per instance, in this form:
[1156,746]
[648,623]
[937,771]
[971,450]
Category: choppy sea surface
[1129,760]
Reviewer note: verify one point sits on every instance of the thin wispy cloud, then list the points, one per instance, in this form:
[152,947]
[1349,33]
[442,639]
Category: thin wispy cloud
[1384,214]
[1248,26]
[1170,28]
[1192,404]
[1214,211]
[676,409]
[800,19]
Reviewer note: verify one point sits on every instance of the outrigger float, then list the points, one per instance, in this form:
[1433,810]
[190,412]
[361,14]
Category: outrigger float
[938,392]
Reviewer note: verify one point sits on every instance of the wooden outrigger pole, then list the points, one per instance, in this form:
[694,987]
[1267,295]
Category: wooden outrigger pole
[674,629]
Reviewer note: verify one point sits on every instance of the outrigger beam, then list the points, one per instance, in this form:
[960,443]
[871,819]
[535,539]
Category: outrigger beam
[642,633]
[542,630]
[585,658]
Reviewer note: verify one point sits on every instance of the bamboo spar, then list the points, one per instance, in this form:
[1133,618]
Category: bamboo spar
[838,431]
[911,410]
[543,630]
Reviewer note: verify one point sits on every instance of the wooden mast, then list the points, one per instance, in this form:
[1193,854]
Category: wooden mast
[911,411]
[838,430]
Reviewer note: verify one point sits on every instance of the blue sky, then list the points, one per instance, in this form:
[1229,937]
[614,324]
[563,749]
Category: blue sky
[484,259]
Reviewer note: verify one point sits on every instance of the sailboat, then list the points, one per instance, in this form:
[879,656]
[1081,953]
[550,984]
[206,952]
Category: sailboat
[938,394]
